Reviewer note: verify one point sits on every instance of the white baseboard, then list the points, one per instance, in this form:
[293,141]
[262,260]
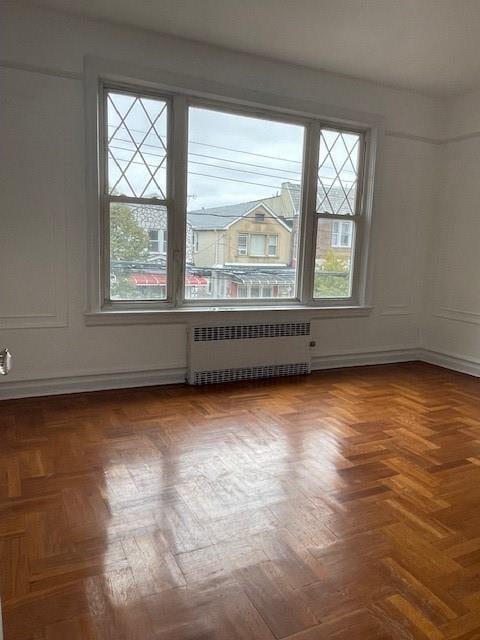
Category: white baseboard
[93,382]
[450,361]
[365,358]
[122,380]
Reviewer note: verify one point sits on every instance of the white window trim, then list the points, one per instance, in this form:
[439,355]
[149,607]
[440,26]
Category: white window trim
[98,72]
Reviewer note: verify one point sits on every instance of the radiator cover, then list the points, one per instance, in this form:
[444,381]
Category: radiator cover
[226,353]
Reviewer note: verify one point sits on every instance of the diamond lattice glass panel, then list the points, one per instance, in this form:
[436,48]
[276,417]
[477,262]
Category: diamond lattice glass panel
[137,270]
[333,264]
[137,146]
[338,170]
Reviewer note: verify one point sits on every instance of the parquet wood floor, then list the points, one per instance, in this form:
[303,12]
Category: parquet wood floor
[344,505]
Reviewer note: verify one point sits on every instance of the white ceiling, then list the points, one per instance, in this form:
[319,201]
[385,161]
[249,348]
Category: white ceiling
[432,46]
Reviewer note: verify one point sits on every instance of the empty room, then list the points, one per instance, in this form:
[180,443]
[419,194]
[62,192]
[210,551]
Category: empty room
[239,320]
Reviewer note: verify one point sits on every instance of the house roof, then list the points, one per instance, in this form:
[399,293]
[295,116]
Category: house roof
[223,217]
[220,217]
[283,206]
[335,200]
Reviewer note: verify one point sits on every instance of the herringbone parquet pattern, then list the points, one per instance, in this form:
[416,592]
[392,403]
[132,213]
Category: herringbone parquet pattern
[340,506]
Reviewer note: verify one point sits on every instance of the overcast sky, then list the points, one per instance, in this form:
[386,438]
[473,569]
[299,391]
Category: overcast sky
[232,158]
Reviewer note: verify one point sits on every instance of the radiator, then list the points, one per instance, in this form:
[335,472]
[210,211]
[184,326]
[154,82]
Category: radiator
[248,351]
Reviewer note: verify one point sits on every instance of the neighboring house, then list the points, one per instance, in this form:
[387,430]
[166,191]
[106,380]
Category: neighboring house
[245,250]
[150,277]
[250,233]
[153,219]
[248,248]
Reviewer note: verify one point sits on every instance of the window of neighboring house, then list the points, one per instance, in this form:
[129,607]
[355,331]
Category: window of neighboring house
[266,292]
[157,241]
[341,234]
[153,240]
[258,243]
[242,291]
[272,245]
[242,244]
[255,291]
[224,159]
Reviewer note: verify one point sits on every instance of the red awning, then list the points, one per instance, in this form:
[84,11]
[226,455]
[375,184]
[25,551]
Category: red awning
[148,279]
[160,279]
[198,280]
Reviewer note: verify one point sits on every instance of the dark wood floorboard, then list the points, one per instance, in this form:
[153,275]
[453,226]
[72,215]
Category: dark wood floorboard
[341,506]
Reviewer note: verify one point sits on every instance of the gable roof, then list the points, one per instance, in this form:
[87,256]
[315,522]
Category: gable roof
[223,217]
[220,217]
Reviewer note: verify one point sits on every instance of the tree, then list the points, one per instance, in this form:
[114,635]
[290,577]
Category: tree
[332,277]
[128,241]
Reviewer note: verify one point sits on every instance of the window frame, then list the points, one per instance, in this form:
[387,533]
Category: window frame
[274,245]
[265,243]
[106,199]
[242,251]
[184,92]
[338,244]
[150,241]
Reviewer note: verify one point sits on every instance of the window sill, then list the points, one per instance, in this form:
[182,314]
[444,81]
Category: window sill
[192,315]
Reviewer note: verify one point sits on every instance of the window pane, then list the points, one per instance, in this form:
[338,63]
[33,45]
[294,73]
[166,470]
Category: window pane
[137,146]
[333,264]
[272,245]
[137,270]
[244,185]
[338,172]
[242,244]
[257,245]
[153,240]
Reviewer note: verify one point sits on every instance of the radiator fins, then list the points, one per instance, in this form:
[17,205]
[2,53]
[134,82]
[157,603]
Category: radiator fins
[243,332]
[250,373]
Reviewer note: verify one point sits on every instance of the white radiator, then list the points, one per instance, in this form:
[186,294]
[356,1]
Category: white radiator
[248,351]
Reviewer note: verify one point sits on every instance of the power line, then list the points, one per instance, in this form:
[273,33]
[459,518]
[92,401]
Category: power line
[205,164]
[213,146]
[249,164]
[200,155]
[206,175]
[192,153]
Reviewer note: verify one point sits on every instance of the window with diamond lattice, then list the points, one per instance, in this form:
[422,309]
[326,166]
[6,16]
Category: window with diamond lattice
[338,166]
[338,211]
[137,208]
[137,146]
[166,241]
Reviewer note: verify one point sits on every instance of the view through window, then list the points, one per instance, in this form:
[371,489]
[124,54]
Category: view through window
[243,208]
[244,192]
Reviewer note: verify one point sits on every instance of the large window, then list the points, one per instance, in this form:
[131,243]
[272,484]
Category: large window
[211,203]
[244,177]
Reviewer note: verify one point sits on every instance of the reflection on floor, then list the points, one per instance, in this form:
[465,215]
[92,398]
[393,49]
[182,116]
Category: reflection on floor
[341,505]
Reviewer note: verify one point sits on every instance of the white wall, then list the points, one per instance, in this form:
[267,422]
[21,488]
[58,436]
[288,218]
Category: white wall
[43,209]
[451,323]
